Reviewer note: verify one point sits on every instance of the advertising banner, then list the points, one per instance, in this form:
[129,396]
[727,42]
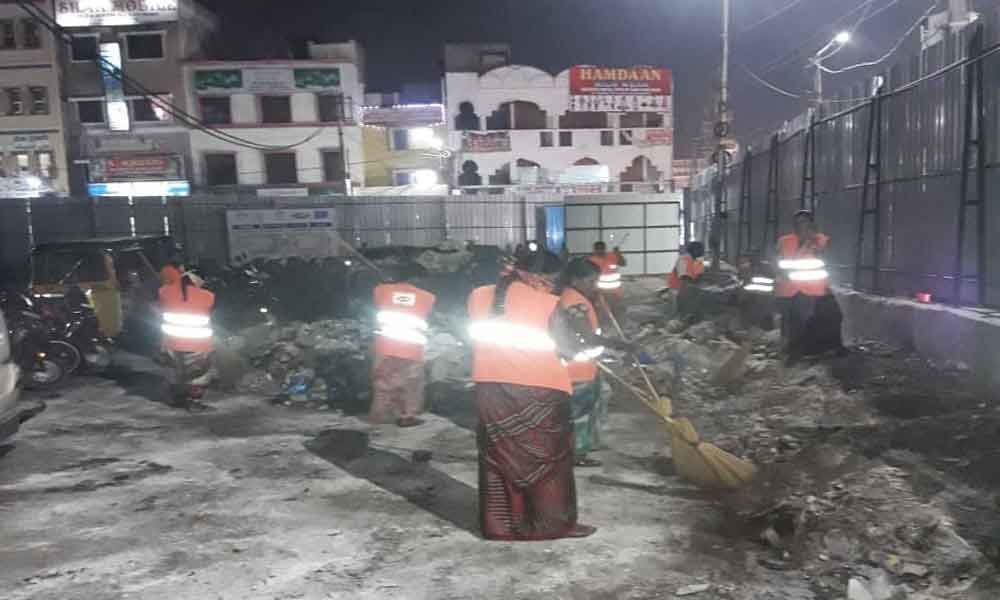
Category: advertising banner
[136,167]
[266,80]
[495,141]
[114,92]
[641,88]
[111,13]
[281,233]
[656,137]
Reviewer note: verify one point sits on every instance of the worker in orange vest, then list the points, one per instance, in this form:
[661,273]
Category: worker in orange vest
[689,266]
[401,312]
[609,283]
[187,336]
[519,339]
[811,317]
[578,293]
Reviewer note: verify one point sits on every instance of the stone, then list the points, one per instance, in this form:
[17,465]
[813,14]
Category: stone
[691,590]
[856,590]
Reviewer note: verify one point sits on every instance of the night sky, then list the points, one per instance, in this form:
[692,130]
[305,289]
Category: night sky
[403,41]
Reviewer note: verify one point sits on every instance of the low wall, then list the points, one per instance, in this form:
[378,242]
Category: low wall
[935,331]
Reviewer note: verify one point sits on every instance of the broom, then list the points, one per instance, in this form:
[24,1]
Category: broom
[704,464]
[701,463]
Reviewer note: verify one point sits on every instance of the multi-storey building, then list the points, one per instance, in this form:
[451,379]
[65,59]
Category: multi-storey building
[404,145]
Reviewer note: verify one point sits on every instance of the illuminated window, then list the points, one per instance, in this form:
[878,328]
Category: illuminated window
[44,164]
[146,111]
[23,162]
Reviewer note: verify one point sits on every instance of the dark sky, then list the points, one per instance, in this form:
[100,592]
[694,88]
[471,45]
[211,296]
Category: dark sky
[403,40]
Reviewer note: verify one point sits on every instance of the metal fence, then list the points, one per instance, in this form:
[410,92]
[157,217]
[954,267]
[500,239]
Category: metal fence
[199,222]
[900,179]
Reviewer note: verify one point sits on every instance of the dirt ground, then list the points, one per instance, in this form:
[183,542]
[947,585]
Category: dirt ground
[874,466]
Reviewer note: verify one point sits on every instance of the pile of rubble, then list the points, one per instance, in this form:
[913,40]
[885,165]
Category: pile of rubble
[324,364]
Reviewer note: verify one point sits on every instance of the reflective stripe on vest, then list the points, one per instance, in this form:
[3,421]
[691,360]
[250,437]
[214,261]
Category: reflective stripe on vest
[760,284]
[804,269]
[402,327]
[187,326]
[503,333]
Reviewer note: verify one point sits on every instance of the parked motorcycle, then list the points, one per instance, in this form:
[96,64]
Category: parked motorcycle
[40,358]
[76,332]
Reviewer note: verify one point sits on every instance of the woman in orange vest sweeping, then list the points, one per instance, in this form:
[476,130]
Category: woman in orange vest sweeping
[187,336]
[610,281]
[525,438]
[686,272]
[577,289]
[810,315]
[398,368]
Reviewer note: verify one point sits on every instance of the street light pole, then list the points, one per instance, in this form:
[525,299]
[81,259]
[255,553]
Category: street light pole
[721,132]
[839,40]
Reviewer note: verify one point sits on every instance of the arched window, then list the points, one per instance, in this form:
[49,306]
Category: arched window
[586,161]
[518,115]
[641,169]
[467,119]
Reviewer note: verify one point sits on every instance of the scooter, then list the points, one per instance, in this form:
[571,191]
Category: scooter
[74,323]
[40,360]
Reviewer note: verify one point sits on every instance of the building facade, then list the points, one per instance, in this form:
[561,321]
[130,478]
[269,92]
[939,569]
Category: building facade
[685,169]
[123,142]
[516,124]
[404,145]
[296,122]
[33,156]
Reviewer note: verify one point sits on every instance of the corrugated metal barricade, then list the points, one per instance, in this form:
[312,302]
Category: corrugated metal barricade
[894,178]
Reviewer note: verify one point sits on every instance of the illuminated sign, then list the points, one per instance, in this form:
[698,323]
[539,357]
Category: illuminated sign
[114,93]
[145,189]
[110,13]
[619,89]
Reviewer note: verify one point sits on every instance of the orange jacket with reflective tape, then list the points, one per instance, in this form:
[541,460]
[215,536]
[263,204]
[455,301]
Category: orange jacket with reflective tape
[685,267]
[191,336]
[789,248]
[610,281]
[515,347]
[581,369]
[401,320]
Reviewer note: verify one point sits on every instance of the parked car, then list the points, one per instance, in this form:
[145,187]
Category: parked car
[10,374]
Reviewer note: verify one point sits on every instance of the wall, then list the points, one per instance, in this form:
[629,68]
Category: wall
[551,94]
[381,161]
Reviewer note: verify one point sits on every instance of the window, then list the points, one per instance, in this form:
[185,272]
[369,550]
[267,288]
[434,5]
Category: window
[29,34]
[402,177]
[275,109]
[220,169]
[84,48]
[607,138]
[15,102]
[144,110]
[280,167]
[23,162]
[7,40]
[39,100]
[565,138]
[625,137]
[44,164]
[216,110]
[330,107]
[333,165]
[545,139]
[400,139]
[90,111]
[144,46]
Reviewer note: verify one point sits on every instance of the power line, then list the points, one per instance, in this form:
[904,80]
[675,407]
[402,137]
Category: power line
[769,85]
[885,56]
[182,116]
[771,16]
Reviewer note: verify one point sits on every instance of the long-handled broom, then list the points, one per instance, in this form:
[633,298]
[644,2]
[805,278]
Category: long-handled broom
[701,463]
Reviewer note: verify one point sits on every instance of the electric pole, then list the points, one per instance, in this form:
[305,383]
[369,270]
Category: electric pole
[721,155]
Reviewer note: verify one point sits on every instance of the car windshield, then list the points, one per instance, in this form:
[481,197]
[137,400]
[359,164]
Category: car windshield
[69,266]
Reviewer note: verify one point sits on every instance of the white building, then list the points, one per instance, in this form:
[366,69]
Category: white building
[298,110]
[585,125]
[33,159]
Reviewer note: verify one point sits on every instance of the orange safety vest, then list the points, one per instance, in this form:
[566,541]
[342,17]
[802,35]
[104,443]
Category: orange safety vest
[610,281]
[401,319]
[515,347]
[808,281]
[187,324]
[685,267]
[582,368]
[169,274]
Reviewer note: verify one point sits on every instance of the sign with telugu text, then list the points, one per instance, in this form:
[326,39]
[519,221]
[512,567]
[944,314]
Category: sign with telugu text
[110,13]
[640,88]
[136,167]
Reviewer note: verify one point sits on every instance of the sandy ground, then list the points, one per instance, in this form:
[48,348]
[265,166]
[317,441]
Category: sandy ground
[109,494]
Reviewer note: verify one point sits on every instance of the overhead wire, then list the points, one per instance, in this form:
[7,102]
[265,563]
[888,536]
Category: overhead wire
[771,17]
[896,46]
[178,113]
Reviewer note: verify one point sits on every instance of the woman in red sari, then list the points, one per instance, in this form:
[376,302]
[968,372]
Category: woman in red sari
[526,485]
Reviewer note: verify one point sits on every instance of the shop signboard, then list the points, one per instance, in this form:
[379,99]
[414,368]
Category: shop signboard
[113,13]
[281,233]
[620,89]
[137,167]
[139,189]
[266,80]
[656,137]
[494,141]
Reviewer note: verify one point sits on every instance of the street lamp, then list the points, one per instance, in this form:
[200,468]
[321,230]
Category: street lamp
[838,42]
